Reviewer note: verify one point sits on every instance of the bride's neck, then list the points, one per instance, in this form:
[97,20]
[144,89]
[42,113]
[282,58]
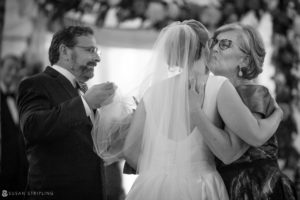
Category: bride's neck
[198,69]
[195,73]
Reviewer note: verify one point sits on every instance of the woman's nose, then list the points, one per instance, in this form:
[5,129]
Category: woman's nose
[215,48]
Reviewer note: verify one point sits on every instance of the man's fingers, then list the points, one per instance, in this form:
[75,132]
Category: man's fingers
[109,86]
[106,86]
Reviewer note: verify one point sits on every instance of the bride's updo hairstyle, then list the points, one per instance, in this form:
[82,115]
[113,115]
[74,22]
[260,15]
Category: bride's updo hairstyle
[176,49]
[184,42]
[201,33]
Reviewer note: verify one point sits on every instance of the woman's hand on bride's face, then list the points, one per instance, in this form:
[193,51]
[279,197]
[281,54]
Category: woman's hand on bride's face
[196,95]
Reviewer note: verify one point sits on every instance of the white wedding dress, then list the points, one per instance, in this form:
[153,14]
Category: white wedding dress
[167,171]
[173,162]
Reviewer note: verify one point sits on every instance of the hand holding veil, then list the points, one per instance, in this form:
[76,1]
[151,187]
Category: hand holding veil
[110,128]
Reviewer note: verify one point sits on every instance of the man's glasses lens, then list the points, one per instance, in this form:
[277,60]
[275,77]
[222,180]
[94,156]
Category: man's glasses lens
[90,49]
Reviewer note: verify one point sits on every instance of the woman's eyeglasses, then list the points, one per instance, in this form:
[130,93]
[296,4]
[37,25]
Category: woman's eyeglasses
[223,44]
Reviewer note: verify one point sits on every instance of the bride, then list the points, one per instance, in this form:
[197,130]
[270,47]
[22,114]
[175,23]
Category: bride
[162,143]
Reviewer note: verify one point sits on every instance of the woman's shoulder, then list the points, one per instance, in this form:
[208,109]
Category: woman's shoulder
[217,78]
[257,98]
[253,92]
[215,82]
[254,88]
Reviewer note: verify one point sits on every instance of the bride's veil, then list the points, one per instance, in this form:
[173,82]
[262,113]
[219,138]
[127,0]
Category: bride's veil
[164,92]
[165,96]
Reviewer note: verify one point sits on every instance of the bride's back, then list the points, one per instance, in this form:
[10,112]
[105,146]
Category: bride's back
[174,161]
[174,151]
[177,167]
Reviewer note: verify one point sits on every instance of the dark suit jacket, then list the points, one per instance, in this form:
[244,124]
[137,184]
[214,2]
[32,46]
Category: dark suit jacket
[13,160]
[58,138]
[127,169]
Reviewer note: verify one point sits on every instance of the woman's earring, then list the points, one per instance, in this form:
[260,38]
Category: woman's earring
[240,72]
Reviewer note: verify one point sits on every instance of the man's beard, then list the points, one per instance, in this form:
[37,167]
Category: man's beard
[82,72]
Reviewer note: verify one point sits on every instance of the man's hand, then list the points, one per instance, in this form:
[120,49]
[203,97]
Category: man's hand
[100,95]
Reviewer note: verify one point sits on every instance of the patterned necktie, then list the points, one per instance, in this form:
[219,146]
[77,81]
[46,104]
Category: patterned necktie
[82,86]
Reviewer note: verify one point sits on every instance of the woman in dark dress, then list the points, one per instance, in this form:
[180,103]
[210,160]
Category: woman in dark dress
[237,52]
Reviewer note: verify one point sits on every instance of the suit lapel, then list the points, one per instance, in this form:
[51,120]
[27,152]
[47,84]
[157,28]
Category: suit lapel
[64,82]
[70,91]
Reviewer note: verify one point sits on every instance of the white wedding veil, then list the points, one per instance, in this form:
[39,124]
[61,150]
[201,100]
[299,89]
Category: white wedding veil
[164,97]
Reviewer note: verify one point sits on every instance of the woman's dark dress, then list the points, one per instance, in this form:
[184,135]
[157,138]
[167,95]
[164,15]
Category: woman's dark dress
[256,174]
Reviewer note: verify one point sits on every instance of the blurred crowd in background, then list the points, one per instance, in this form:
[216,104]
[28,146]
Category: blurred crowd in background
[284,38]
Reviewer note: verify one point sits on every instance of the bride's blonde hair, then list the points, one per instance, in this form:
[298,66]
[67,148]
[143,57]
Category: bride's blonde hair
[189,34]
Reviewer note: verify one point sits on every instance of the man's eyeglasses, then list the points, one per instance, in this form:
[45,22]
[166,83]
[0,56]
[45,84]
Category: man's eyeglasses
[223,44]
[89,49]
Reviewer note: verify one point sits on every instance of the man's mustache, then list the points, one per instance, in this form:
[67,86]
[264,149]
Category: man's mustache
[91,63]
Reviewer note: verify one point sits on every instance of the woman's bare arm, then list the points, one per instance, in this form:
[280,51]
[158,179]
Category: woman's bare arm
[226,144]
[223,143]
[238,118]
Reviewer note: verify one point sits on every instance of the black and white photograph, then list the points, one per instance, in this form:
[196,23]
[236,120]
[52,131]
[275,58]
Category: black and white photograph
[150,99]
